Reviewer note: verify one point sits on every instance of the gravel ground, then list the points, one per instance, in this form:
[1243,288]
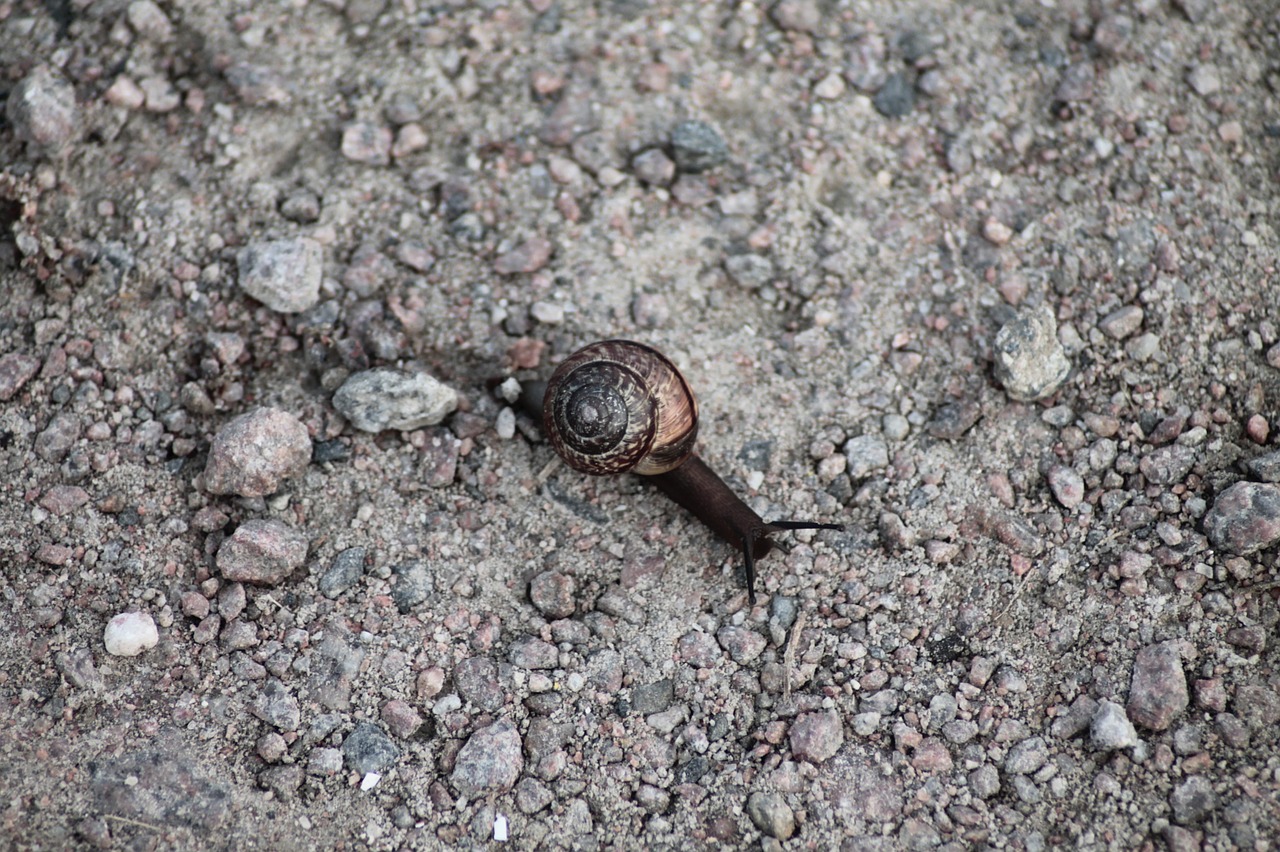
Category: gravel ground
[993,284]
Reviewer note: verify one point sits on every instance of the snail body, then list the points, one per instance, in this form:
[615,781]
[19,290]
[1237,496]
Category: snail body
[618,406]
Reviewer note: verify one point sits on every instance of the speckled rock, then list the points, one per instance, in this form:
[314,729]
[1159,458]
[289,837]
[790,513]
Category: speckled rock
[42,111]
[277,706]
[815,737]
[283,274]
[698,146]
[770,813]
[1245,518]
[386,398]
[16,369]
[255,452]
[1029,361]
[1158,691]
[262,552]
[369,749]
[490,761]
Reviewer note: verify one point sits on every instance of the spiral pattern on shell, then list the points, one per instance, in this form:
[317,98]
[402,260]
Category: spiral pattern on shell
[619,406]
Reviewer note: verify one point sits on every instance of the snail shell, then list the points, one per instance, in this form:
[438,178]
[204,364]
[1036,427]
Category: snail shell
[619,406]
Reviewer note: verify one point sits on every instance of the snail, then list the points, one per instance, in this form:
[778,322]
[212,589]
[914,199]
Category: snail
[618,406]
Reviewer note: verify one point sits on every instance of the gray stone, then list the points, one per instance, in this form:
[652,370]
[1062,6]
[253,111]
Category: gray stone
[344,572]
[770,813]
[386,398]
[283,274]
[1110,728]
[1192,800]
[865,454]
[698,146]
[369,749]
[1029,361]
[42,111]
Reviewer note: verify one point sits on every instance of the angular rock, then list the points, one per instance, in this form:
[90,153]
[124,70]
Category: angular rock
[1029,360]
[1245,518]
[283,274]
[369,749]
[1158,691]
[697,146]
[1110,728]
[262,552]
[255,452]
[771,814]
[490,761]
[816,736]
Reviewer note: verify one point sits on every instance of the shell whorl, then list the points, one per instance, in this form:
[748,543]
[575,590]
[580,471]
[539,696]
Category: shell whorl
[619,406]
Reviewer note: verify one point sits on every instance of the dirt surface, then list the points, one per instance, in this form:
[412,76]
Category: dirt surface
[1047,622]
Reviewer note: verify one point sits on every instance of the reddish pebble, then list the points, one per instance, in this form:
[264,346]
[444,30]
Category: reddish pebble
[1258,429]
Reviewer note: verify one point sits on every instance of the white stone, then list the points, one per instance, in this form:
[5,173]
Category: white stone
[129,634]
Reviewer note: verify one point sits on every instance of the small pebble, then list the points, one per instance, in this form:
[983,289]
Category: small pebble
[897,97]
[698,146]
[367,142]
[1205,80]
[1158,690]
[129,634]
[1030,362]
[749,271]
[865,454]
[529,256]
[1245,518]
[253,453]
[344,572]
[490,761]
[16,369]
[149,20]
[324,762]
[1193,800]
[505,425]
[803,16]
[1121,322]
[282,274]
[996,232]
[1257,428]
[261,552]
[1067,486]
[42,111]
[815,737]
[553,594]
[387,398]
[829,87]
[401,719]
[741,644]
[476,679]
[369,749]
[1026,757]
[277,706]
[770,813]
[1110,728]
[654,167]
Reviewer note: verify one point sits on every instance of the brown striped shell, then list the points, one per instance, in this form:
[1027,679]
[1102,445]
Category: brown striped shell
[619,406]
